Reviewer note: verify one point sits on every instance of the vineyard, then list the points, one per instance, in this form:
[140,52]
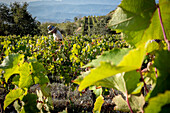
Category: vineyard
[91,25]
[126,72]
[62,61]
[88,23]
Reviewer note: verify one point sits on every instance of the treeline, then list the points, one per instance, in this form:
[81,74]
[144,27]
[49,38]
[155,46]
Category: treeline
[15,19]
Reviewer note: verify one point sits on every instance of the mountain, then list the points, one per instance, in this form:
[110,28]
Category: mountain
[66,10]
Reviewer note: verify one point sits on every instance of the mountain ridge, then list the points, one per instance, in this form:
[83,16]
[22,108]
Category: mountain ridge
[66,10]
[56,11]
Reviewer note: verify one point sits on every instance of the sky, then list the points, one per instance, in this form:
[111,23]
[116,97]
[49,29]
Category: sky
[9,1]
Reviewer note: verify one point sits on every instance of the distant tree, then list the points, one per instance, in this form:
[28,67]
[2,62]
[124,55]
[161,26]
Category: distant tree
[70,28]
[5,19]
[23,22]
[17,20]
[75,19]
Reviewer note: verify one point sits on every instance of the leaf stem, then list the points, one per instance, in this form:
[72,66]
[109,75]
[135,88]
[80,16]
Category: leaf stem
[143,81]
[0,108]
[128,102]
[163,30]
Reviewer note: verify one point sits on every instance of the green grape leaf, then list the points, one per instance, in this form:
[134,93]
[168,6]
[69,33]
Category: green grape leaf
[152,46]
[12,96]
[136,103]
[138,88]
[11,64]
[96,90]
[124,82]
[26,78]
[157,103]
[139,21]
[162,64]
[98,74]
[80,78]
[134,58]
[46,90]
[115,82]
[164,8]
[30,106]
[98,104]
[32,59]
[114,56]
[132,61]
[39,73]
[132,80]
[154,31]
[15,80]
[32,73]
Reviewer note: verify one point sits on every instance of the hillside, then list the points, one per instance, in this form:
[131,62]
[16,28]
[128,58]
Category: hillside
[87,25]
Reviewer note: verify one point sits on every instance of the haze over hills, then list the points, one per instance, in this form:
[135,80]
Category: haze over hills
[65,10]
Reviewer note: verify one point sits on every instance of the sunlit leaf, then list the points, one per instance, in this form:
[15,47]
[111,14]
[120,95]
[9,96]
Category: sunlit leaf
[32,73]
[152,46]
[26,78]
[12,96]
[98,104]
[140,21]
[114,56]
[96,90]
[11,65]
[80,78]
[132,61]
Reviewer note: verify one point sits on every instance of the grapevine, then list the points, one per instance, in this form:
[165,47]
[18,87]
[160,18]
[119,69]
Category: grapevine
[138,26]
[134,63]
